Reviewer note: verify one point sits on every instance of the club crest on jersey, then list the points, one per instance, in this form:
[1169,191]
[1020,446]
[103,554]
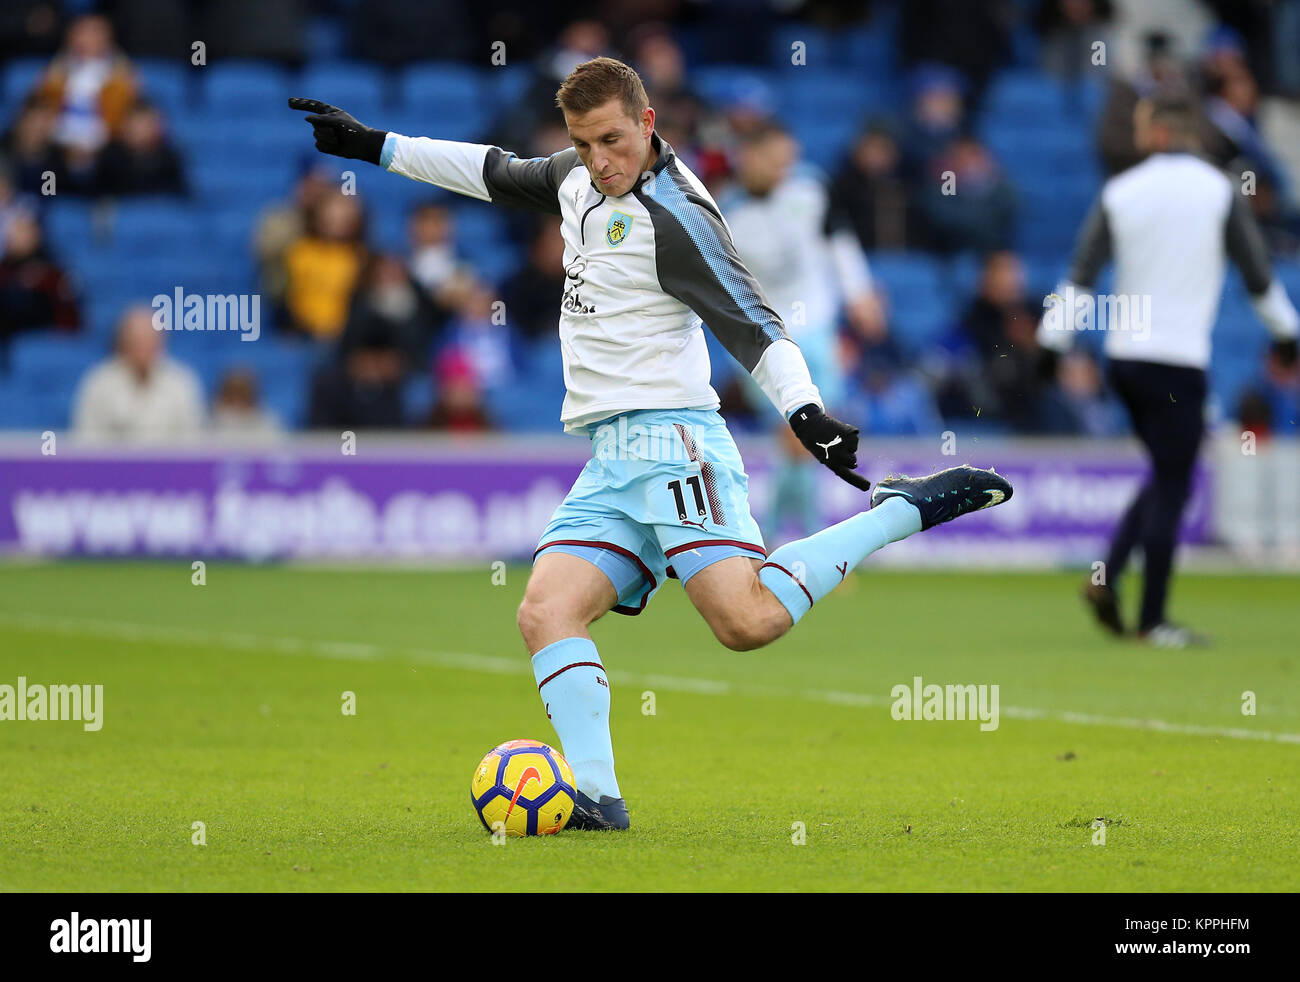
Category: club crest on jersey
[617,229]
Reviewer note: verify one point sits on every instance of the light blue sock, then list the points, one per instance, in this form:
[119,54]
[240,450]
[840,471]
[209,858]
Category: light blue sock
[575,691]
[801,573]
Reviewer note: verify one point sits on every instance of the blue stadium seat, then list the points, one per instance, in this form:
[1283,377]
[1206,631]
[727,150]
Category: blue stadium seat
[359,88]
[920,321]
[418,397]
[20,76]
[169,85]
[719,82]
[818,48]
[255,181]
[154,226]
[51,360]
[247,88]
[907,274]
[507,85]
[1024,93]
[435,87]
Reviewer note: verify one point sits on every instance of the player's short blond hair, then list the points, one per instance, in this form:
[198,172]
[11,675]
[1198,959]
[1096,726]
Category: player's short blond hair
[595,82]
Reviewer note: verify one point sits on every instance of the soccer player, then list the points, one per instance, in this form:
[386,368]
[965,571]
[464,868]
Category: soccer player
[1171,223]
[808,273]
[647,256]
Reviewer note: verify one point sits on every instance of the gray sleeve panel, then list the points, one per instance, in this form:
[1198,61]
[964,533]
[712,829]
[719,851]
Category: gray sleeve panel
[533,184]
[1092,248]
[1245,245]
[698,265]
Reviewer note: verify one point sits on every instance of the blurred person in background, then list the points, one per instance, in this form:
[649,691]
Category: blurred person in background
[535,107]
[388,303]
[870,195]
[1079,403]
[91,86]
[530,293]
[1172,223]
[936,117]
[1271,404]
[479,330]
[283,224]
[889,396]
[460,406]
[434,263]
[810,272]
[361,386]
[1000,323]
[30,150]
[973,38]
[322,267]
[237,410]
[35,292]
[139,393]
[980,212]
[1162,70]
[141,160]
[1070,29]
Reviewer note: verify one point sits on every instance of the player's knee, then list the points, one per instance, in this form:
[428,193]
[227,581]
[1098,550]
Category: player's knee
[532,618]
[743,633]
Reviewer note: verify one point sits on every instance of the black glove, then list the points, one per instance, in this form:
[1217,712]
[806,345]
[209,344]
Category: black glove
[831,441]
[1284,350]
[338,133]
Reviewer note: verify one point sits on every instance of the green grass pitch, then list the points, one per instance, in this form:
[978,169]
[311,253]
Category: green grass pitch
[223,705]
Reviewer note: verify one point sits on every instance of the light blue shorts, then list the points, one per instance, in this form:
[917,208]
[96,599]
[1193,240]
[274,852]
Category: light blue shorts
[664,494]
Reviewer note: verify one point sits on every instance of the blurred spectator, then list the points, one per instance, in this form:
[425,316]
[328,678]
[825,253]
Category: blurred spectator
[322,267]
[1231,105]
[532,294]
[275,29]
[1079,404]
[433,263]
[91,85]
[34,291]
[935,118]
[362,388]
[459,408]
[30,27]
[1000,323]
[283,224]
[660,62]
[396,32]
[138,393]
[885,398]
[980,214]
[141,160]
[1069,29]
[237,409]
[390,307]
[580,41]
[1161,70]
[1271,405]
[480,333]
[1001,296]
[974,38]
[30,149]
[869,193]
[13,203]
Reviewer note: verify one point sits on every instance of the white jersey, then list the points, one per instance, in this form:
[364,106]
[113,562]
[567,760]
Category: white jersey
[782,237]
[1171,223]
[642,271]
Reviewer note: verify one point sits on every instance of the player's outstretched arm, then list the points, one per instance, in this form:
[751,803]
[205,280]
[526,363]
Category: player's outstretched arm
[472,169]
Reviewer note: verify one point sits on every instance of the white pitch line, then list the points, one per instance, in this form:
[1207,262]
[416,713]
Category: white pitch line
[361,651]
